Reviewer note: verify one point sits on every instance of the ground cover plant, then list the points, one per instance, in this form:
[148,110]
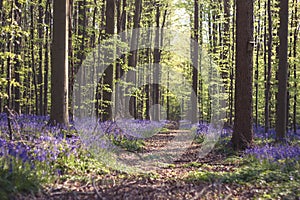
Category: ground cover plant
[46,161]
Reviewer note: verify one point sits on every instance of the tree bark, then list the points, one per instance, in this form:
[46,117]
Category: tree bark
[195,66]
[132,59]
[243,134]
[282,73]
[156,70]
[269,68]
[257,68]
[34,72]
[59,63]
[40,53]
[46,61]
[17,66]
[296,31]
[108,78]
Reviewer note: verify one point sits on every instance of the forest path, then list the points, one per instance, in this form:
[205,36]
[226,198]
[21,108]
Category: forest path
[166,182]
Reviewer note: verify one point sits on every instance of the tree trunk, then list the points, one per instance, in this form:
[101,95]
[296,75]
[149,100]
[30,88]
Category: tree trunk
[46,61]
[195,57]
[269,72]
[132,58]
[34,72]
[243,134]
[257,68]
[156,68]
[40,53]
[17,50]
[296,31]
[108,78]
[59,63]
[231,90]
[2,102]
[282,72]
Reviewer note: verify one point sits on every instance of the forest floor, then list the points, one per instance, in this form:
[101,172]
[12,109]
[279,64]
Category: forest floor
[168,182]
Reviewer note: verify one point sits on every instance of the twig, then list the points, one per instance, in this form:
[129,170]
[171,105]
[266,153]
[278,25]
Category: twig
[97,192]
[68,193]
[75,195]
[8,113]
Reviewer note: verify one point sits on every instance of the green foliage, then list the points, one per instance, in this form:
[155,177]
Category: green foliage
[78,167]
[129,145]
[17,177]
[199,138]
[279,179]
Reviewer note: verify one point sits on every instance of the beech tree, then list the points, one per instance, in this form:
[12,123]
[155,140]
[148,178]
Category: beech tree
[195,57]
[243,134]
[108,77]
[282,73]
[59,63]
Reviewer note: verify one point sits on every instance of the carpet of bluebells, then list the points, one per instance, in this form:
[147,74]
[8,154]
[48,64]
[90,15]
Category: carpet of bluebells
[35,141]
[276,152]
[36,145]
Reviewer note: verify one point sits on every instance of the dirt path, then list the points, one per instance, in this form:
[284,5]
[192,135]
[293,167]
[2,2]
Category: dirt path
[167,182]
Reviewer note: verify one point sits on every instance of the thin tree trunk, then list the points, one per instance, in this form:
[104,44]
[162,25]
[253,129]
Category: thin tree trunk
[2,102]
[34,73]
[195,66]
[269,72]
[17,50]
[156,70]
[265,53]
[132,59]
[296,31]
[46,61]
[257,67]
[231,96]
[9,78]
[40,53]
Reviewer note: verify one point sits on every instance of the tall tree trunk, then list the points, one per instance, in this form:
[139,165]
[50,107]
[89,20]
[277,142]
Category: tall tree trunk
[108,78]
[243,133]
[46,61]
[231,90]
[40,53]
[34,72]
[59,63]
[9,77]
[132,59]
[2,51]
[269,72]
[296,31]
[79,55]
[156,67]
[17,50]
[226,50]
[257,66]
[122,59]
[282,72]
[195,66]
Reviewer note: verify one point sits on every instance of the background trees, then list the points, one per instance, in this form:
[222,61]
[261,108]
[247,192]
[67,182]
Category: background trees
[27,30]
